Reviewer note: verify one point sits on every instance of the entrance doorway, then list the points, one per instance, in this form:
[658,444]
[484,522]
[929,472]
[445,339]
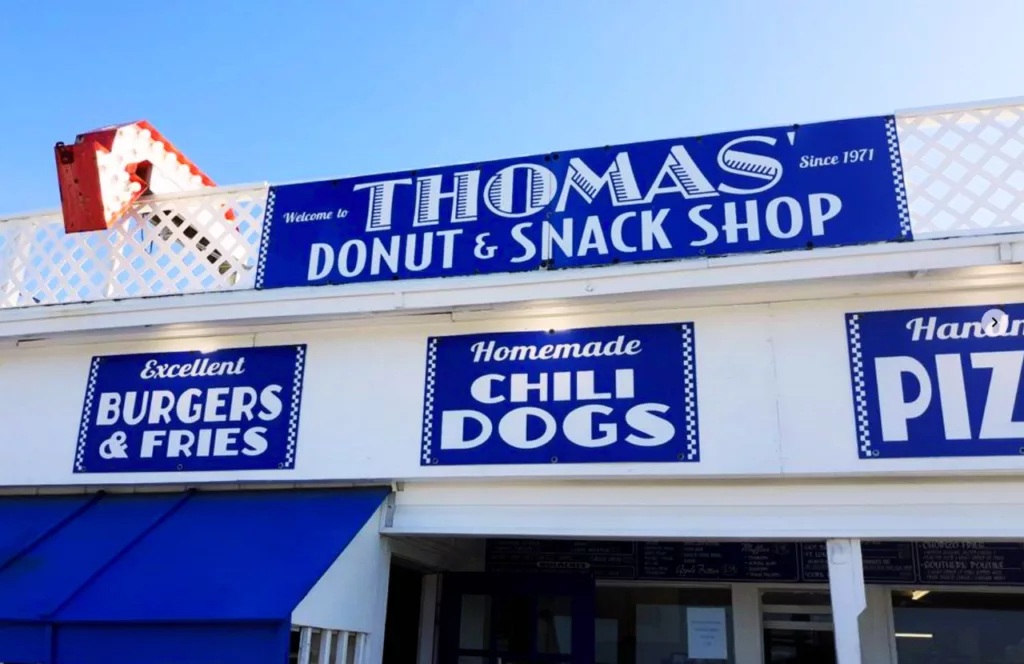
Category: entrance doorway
[798,628]
[401,637]
[559,602]
[514,619]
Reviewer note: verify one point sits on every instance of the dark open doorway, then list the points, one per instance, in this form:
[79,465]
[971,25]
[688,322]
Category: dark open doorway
[401,631]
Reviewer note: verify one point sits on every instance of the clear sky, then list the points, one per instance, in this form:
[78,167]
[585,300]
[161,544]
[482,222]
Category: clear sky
[255,90]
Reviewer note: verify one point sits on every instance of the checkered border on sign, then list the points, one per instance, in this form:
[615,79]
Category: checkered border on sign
[268,219]
[83,427]
[859,382]
[293,411]
[428,402]
[903,206]
[692,452]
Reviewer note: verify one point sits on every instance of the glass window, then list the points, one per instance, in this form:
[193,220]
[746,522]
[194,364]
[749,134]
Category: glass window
[475,625]
[472,659]
[792,609]
[511,621]
[797,627]
[794,646]
[554,625]
[663,626]
[796,598]
[958,628]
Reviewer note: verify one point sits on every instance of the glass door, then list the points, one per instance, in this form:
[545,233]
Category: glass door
[797,628]
[508,619]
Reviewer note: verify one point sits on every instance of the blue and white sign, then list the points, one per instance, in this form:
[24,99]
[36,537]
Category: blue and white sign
[938,382]
[600,395]
[234,409]
[785,188]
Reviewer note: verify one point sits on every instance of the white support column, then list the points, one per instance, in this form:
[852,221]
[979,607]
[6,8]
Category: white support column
[746,623]
[849,598]
[876,636]
[428,618]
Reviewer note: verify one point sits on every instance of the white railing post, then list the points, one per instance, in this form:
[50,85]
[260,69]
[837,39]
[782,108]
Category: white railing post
[360,648]
[305,642]
[342,657]
[326,638]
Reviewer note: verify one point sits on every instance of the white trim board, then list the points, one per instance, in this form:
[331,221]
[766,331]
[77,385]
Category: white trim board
[251,307]
[740,510]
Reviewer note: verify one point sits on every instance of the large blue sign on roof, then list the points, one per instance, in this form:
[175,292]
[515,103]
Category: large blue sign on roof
[785,188]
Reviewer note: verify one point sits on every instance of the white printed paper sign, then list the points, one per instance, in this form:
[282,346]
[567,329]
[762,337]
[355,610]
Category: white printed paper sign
[706,633]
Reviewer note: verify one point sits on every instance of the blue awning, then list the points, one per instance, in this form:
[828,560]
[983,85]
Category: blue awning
[198,577]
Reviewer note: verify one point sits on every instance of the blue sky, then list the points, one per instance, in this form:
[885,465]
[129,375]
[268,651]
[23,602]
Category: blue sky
[263,90]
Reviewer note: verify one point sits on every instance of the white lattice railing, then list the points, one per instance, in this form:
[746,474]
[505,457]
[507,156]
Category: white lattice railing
[964,170]
[311,645]
[185,243]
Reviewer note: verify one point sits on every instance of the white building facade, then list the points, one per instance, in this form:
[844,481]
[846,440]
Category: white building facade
[798,438]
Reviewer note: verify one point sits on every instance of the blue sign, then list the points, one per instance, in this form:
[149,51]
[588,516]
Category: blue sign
[938,382]
[600,395]
[784,188]
[235,409]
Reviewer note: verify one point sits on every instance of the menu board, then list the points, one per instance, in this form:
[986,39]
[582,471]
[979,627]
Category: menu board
[719,561]
[971,563]
[896,563]
[884,562]
[814,562]
[606,560]
[888,562]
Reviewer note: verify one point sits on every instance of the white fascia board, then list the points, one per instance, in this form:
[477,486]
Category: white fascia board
[940,509]
[353,301]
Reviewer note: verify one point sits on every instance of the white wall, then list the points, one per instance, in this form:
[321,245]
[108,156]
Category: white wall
[773,385]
